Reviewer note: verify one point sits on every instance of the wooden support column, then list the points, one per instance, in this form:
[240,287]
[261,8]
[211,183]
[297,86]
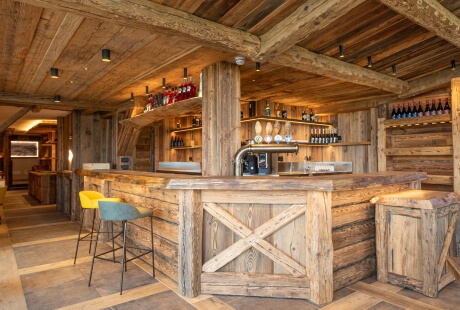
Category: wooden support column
[320,252]
[190,243]
[221,118]
[456,138]
[77,183]
[381,141]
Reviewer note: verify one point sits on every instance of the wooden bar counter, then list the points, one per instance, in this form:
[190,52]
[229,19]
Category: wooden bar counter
[291,237]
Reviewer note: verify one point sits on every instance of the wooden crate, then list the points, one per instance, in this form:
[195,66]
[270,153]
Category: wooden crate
[414,237]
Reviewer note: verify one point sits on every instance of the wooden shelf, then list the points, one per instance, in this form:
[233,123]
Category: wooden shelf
[294,121]
[420,151]
[305,143]
[181,108]
[416,121]
[186,129]
[185,147]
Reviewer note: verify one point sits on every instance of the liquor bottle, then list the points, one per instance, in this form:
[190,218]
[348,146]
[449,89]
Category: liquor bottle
[447,107]
[304,116]
[419,110]
[316,137]
[427,108]
[331,136]
[172,142]
[326,139]
[393,113]
[179,91]
[267,110]
[312,137]
[336,138]
[193,92]
[184,89]
[433,107]
[312,116]
[439,110]
[284,113]
[278,110]
[320,137]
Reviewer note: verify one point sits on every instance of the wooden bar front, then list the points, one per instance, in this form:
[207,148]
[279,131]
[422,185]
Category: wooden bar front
[296,237]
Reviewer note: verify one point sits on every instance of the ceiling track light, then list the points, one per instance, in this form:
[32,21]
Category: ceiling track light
[257,66]
[57,98]
[393,68]
[132,97]
[54,73]
[106,55]
[163,83]
[146,90]
[342,52]
[369,61]
[452,62]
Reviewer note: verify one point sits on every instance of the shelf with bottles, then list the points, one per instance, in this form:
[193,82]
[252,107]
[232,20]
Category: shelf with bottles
[418,121]
[417,110]
[186,107]
[293,121]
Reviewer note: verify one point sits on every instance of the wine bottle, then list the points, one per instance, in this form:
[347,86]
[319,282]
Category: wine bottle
[408,111]
[398,112]
[414,110]
[393,113]
[179,90]
[439,109]
[404,112]
[336,138]
[427,108]
[312,137]
[316,137]
[420,110]
[327,136]
[447,107]
[433,107]
[172,142]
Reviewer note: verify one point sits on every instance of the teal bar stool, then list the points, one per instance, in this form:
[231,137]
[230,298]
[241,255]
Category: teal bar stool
[89,201]
[123,212]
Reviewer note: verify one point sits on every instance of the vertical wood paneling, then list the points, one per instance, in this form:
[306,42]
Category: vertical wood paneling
[456,137]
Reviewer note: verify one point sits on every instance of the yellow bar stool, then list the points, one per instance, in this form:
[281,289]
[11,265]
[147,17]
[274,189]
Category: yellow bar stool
[89,200]
[123,212]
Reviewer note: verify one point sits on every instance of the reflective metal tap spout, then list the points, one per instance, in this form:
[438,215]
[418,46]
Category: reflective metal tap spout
[259,148]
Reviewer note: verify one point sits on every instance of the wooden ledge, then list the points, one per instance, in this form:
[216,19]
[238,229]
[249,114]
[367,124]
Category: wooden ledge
[420,199]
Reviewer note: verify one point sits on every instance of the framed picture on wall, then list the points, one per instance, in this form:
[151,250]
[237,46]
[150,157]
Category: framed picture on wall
[24,148]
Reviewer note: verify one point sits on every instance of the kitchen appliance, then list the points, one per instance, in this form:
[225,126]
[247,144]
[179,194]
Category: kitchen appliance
[264,164]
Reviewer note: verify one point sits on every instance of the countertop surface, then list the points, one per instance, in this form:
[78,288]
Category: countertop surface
[260,183]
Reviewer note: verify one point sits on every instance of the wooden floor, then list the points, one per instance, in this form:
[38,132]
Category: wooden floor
[37,245]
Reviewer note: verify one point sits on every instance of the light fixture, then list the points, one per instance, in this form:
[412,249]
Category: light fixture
[146,90]
[106,55]
[393,67]
[342,52]
[57,98]
[132,97]
[453,64]
[54,73]
[369,61]
[257,66]
[163,83]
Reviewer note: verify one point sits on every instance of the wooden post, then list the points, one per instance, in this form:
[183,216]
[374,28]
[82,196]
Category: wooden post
[381,141]
[221,118]
[190,259]
[76,163]
[381,243]
[429,229]
[320,252]
[456,145]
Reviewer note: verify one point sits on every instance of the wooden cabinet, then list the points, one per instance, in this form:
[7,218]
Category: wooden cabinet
[42,186]
[419,144]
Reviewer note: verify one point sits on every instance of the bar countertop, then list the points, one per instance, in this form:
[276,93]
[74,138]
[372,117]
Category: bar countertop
[262,183]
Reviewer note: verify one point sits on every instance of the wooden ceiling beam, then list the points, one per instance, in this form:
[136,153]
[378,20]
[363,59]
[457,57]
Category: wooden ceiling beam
[65,32]
[27,100]
[10,121]
[431,15]
[160,19]
[430,82]
[354,106]
[307,19]
[303,59]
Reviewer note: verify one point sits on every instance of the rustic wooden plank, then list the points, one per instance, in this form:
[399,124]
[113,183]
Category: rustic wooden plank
[273,197]
[429,258]
[16,116]
[430,82]
[456,153]
[348,235]
[453,263]
[418,120]
[427,151]
[190,243]
[381,239]
[353,253]
[446,244]
[319,260]
[381,138]
[348,214]
[307,19]
[431,15]
[248,284]
[258,234]
[420,199]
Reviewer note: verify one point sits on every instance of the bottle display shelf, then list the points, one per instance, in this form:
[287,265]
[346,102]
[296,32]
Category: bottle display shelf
[416,121]
[293,121]
[185,129]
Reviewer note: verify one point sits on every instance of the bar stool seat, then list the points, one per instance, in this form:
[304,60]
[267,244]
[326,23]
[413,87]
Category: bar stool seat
[118,211]
[89,200]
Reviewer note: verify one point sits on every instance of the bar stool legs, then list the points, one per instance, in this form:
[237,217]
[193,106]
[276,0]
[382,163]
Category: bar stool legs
[89,234]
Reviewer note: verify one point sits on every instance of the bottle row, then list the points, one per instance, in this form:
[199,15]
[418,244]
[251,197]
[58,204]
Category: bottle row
[176,141]
[185,90]
[324,136]
[281,113]
[196,122]
[415,111]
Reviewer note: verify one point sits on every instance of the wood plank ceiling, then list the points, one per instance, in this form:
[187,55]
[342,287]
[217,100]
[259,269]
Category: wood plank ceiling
[296,41]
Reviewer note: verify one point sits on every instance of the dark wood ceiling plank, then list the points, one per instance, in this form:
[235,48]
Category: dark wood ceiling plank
[20,99]
[47,27]
[18,24]
[303,59]
[161,19]
[16,116]
[307,19]
[125,43]
[65,32]
[431,15]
